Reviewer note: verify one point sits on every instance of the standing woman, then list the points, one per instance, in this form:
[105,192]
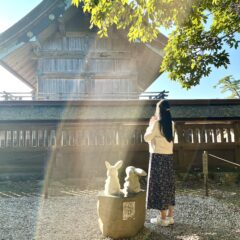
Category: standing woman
[161,184]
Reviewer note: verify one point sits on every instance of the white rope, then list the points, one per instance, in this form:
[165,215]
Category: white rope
[224,160]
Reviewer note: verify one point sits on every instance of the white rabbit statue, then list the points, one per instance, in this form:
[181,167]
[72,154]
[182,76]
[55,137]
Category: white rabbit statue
[131,184]
[112,185]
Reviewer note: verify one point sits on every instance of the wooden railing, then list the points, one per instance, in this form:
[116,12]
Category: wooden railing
[111,134]
[16,96]
[81,135]
[207,133]
[74,145]
[216,137]
[20,96]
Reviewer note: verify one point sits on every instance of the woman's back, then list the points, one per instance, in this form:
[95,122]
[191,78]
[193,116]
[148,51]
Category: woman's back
[157,141]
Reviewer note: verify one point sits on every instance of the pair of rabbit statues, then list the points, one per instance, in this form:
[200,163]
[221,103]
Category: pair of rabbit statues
[131,184]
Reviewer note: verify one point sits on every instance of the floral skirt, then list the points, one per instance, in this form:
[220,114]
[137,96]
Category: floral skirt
[161,182]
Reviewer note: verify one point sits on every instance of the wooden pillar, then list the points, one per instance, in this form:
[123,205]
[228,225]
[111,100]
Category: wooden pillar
[229,135]
[205,171]
[209,137]
[37,145]
[17,138]
[45,137]
[237,141]
[179,128]
[215,134]
[10,141]
[31,143]
[5,138]
[222,135]
[24,137]
[202,134]
[195,135]
[236,127]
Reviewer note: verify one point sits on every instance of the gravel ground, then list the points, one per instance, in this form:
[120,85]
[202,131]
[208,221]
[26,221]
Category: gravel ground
[73,216]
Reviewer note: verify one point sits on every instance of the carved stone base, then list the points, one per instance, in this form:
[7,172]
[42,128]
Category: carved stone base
[119,216]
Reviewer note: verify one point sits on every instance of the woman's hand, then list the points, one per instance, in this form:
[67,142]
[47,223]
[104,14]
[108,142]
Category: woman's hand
[152,120]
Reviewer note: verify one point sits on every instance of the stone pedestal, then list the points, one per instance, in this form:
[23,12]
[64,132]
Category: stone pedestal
[120,216]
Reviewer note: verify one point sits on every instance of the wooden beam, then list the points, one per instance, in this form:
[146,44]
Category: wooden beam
[92,75]
[38,54]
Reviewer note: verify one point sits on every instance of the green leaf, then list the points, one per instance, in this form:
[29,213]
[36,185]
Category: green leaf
[75,3]
[193,48]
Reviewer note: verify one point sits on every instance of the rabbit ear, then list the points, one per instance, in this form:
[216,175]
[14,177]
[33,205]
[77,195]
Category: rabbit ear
[129,169]
[107,164]
[118,164]
[140,172]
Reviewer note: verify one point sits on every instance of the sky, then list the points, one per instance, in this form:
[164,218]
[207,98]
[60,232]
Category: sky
[10,14]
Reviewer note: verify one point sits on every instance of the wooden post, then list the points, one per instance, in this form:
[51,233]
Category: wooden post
[237,132]
[237,141]
[205,171]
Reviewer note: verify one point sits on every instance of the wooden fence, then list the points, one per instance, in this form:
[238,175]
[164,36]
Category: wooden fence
[219,138]
[83,147]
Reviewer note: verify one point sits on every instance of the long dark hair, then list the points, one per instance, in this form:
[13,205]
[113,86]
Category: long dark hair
[165,119]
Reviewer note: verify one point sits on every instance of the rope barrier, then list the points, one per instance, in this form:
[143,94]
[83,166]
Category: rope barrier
[224,160]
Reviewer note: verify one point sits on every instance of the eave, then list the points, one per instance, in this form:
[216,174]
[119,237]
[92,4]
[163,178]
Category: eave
[114,111]
[17,42]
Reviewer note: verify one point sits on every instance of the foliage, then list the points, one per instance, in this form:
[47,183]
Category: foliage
[200,29]
[229,84]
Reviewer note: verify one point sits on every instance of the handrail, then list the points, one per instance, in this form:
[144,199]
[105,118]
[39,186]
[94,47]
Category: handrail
[15,96]
[224,160]
[21,96]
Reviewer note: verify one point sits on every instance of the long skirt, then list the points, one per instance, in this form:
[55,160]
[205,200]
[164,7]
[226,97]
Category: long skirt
[161,182]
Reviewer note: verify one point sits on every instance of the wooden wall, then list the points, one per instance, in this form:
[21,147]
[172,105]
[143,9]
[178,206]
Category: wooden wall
[81,64]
